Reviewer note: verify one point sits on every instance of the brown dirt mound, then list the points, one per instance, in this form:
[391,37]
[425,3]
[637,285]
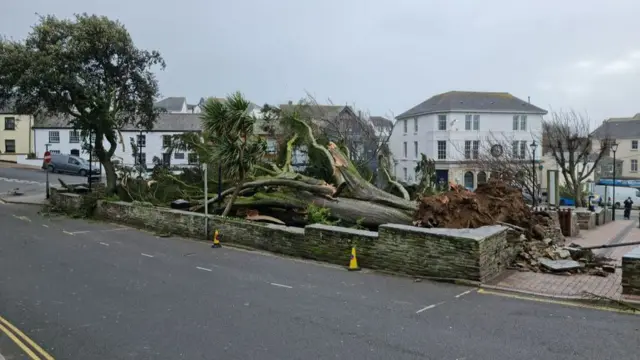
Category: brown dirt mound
[490,204]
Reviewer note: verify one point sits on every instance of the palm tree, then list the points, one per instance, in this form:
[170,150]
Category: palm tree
[227,139]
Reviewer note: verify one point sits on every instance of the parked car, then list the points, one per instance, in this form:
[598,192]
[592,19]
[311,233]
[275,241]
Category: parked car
[70,164]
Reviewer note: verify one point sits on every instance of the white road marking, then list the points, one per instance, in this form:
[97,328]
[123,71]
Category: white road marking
[66,232]
[45,225]
[79,232]
[147,255]
[105,244]
[463,294]
[429,307]
[283,286]
[23,218]
[204,269]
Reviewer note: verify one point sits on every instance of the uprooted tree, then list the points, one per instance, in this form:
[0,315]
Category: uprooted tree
[278,193]
[575,148]
[87,71]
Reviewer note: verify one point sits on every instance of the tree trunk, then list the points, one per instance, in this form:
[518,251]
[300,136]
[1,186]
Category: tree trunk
[234,196]
[110,172]
[577,194]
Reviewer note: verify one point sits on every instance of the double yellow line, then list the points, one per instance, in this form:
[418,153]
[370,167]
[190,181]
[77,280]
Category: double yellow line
[22,340]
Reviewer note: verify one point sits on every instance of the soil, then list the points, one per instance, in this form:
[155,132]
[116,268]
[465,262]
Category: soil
[490,204]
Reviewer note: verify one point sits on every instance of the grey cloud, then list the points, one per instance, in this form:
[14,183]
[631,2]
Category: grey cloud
[381,55]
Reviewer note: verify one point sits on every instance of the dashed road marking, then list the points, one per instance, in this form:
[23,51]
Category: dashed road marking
[104,244]
[45,225]
[67,232]
[282,286]
[429,307]
[23,218]
[463,294]
[203,269]
[147,255]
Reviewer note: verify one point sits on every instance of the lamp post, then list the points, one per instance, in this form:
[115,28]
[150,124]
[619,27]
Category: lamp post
[614,148]
[140,146]
[534,146]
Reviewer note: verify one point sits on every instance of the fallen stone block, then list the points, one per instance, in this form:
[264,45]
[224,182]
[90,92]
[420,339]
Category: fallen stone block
[560,265]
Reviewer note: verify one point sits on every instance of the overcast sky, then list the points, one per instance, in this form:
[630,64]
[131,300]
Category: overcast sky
[383,56]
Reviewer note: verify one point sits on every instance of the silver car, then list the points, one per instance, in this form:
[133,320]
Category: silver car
[70,164]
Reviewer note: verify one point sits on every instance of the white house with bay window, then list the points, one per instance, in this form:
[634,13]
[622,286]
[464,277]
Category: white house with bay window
[63,139]
[454,127]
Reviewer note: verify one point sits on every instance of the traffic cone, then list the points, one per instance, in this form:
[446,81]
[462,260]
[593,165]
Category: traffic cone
[353,262]
[216,241]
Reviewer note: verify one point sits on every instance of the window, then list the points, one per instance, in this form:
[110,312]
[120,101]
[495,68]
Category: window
[442,150]
[179,156]
[468,180]
[54,137]
[415,149]
[142,141]
[166,141]
[73,161]
[10,146]
[514,149]
[634,144]
[75,152]
[442,122]
[415,124]
[516,122]
[271,146]
[9,123]
[405,125]
[523,149]
[471,149]
[404,149]
[74,137]
[634,165]
[141,158]
[192,158]
[467,122]
[54,151]
[467,149]
[405,173]
[482,177]
[166,159]
[476,148]
[523,122]
[476,122]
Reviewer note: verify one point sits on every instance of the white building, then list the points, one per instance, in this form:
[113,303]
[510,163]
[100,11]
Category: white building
[65,140]
[452,127]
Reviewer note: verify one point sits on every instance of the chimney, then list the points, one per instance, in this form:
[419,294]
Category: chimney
[529,99]
[290,102]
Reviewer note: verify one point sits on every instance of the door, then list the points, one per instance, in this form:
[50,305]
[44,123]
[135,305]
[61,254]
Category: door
[166,159]
[442,177]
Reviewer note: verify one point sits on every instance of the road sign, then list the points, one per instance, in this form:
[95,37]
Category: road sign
[47,157]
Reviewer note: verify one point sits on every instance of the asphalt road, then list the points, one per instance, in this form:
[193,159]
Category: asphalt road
[86,290]
[29,181]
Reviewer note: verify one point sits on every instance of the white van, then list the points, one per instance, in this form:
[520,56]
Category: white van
[622,193]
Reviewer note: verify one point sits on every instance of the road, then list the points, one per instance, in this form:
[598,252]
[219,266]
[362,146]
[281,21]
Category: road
[87,290]
[29,181]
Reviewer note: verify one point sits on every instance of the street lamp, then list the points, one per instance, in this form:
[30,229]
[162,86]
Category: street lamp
[534,146]
[614,148]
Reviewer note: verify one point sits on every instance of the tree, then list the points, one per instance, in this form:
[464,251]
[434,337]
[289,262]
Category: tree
[87,71]
[575,148]
[228,139]
[509,160]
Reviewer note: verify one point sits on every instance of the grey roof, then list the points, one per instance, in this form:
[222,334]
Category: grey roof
[165,122]
[472,101]
[203,100]
[379,121]
[171,103]
[316,112]
[619,128]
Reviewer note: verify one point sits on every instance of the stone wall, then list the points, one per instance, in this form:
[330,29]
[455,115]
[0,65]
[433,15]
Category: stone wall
[472,254]
[631,272]
[586,219]
[66,202]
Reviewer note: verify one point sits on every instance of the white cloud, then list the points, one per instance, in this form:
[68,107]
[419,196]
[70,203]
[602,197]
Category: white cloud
[618,67]
[584,64]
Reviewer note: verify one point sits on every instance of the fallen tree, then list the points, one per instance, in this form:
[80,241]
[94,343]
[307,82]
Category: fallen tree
[281,193]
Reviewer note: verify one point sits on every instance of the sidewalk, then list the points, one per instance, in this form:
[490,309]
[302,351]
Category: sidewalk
[579,286]
[6,164]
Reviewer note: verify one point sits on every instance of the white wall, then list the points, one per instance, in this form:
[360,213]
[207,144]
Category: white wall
[154,146]
[491,126]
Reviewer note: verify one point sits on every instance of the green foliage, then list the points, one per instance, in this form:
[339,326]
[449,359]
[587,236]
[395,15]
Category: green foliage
[86,70]
[426,171]
[319,215]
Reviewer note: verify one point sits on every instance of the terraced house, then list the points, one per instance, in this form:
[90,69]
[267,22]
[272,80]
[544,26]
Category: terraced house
[16,137]
[453,127]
